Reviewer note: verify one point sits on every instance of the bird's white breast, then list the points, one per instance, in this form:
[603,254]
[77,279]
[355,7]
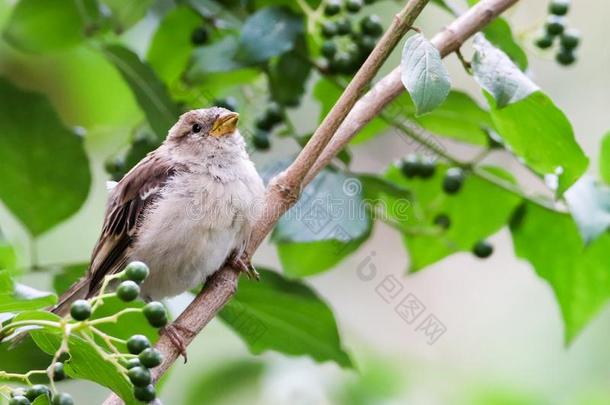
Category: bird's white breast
[202,217]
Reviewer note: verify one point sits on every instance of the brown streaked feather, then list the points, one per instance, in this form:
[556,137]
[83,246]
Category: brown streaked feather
[129,199]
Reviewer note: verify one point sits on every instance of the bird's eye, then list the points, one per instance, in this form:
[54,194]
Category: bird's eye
[196,128]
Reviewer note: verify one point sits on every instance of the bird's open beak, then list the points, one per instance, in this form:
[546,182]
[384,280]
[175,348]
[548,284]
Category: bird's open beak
[225,124]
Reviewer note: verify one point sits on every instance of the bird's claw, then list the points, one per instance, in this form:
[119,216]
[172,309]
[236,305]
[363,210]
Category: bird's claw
[245,267]
[172,333]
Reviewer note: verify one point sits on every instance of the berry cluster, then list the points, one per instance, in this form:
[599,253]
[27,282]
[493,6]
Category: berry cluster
[137,345]
[414,166]
[346,47]
[272,116]
[135,365]
[555,26]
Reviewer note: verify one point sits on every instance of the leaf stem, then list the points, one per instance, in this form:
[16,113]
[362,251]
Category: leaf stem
[114,318]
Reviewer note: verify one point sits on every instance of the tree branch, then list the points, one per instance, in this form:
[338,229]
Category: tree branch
[346,118]
[284,190]
[390,87]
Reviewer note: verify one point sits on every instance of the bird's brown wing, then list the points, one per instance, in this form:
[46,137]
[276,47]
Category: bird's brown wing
[130,198]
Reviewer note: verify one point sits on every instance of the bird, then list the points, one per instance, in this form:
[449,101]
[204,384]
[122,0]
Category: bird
[185,209]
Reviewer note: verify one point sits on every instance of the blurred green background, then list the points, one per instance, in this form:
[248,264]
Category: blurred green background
[504,336]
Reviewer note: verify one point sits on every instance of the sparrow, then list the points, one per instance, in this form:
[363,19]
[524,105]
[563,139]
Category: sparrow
[186,209]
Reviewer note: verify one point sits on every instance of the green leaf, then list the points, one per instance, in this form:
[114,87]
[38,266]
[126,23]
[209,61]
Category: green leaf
[125,13]
[19,297]
[49,25]
[604,158]
[589,204]
[8,258]
[86,363]
[328,223]
[62,280]
[218,385]
[442,4]
[285,316]
[269,32]
[173,37]
[42,400]
[327,93]
[128,324]
[477,211]
[214,58]
[579,275]
[44,171]
[150,93]
[459,117]
[23,357]
[537,131]
[288,75]
[497,74]
[423,74]
[498,32]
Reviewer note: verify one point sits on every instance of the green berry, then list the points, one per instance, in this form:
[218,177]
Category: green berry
[136,271]
[230,103]
[554,25]
[150,357]
[63,399]
[427,168]
[329,29]
[344,26]
[545,41]
[483,249]
[559,7]
[565,57]
[261,140]
[443,221]
[131,363]
[200,36]
[19,400]
[145,394]
[264,123]
[139,376]
[128,291]
[58,371]
[18,392]
[80,310]
[353,6]
[274,113]
[155,313]
[371,25]
[37,390]
[329,49]
[570,39]
[137,343]
[410,166]
[366,44]
[333,7]
[453,180]
[340,63]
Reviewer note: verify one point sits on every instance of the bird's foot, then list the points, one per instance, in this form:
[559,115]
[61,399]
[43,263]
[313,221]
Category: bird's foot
[171,331]
[243,266]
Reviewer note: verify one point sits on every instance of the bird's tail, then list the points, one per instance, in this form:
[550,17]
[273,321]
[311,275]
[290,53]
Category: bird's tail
[77,291]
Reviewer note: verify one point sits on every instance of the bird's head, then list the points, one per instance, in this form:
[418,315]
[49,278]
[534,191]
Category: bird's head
[206,131]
